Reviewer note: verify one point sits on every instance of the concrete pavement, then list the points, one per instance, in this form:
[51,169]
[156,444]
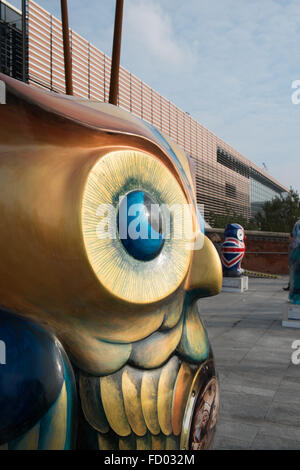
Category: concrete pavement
[260,387]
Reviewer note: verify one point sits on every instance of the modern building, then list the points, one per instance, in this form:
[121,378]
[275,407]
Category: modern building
[11,41]
[225,179]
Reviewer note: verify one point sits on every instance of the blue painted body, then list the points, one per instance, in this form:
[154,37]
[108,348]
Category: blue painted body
[31,380]
[294,262]
[233,250]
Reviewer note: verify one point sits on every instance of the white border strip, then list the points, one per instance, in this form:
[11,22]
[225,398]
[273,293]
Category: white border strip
[11,6]
[2,92]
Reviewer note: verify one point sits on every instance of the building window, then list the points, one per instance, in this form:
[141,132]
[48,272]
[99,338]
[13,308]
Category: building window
[11,42]
[260,193]
[225,159]
[230,190]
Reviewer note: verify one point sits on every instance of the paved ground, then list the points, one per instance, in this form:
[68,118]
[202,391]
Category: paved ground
[260,387]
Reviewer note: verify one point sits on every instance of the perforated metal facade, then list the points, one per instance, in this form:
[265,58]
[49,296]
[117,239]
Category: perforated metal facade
[11,46]
[223,175]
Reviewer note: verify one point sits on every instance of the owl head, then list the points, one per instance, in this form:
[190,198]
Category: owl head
[234,231]
[88,240]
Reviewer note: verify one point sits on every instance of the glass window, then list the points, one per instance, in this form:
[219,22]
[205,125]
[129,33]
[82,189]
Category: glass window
[259,194]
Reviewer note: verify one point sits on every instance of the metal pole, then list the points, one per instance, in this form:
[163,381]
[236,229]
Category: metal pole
[24,42]
[67,50]
[115,65]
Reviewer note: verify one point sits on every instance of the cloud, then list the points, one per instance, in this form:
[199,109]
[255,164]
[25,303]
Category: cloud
[151,29]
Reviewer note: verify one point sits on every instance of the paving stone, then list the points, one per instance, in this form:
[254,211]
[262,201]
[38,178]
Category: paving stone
[271,341]
[288,333]
[265,354]
[268,369]
[215,332]
[285,412]
[290,389]
[244,406]
[229,443]
[248,336]
[280,430]
[266,442]
[292,372]
[251,378]
[228,356]
[259,386]
[249,389]
[237,430]
[289,386]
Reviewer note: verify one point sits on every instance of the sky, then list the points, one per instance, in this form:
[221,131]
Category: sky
[229,63]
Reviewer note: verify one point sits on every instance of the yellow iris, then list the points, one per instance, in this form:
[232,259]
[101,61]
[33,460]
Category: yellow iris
[125,277]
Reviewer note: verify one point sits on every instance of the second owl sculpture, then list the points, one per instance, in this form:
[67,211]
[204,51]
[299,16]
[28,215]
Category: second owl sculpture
[105,348]
[294,262]
[233,250]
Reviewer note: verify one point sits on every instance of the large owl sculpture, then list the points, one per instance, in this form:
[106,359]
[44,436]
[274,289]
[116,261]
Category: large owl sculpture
[104,346]
[233,250]
[294,262]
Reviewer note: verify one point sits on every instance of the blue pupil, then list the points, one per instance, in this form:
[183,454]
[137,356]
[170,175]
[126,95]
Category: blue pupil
[140,226]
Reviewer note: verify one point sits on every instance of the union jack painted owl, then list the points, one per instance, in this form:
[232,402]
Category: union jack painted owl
[233,250]
[105,348]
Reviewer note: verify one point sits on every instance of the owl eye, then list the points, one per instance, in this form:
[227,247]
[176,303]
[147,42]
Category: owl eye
[140,225]
[139,258]
[240,234]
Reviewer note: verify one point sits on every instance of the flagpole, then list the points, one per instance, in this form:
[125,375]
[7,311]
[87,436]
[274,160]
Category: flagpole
[67,49]
[115,65]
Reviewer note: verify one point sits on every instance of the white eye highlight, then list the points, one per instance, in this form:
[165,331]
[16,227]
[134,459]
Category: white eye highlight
[240,234]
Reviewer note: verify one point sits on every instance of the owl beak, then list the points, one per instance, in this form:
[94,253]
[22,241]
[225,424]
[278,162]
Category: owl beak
[205,275]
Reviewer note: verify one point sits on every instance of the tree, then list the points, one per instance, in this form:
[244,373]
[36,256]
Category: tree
[280,214]
[220,221]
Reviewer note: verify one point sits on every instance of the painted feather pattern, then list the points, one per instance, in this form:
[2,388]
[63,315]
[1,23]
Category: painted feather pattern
[147,412]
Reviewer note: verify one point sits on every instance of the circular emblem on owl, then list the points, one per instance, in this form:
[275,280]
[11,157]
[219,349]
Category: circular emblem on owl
[200,418]
[240,234]
[205,417]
